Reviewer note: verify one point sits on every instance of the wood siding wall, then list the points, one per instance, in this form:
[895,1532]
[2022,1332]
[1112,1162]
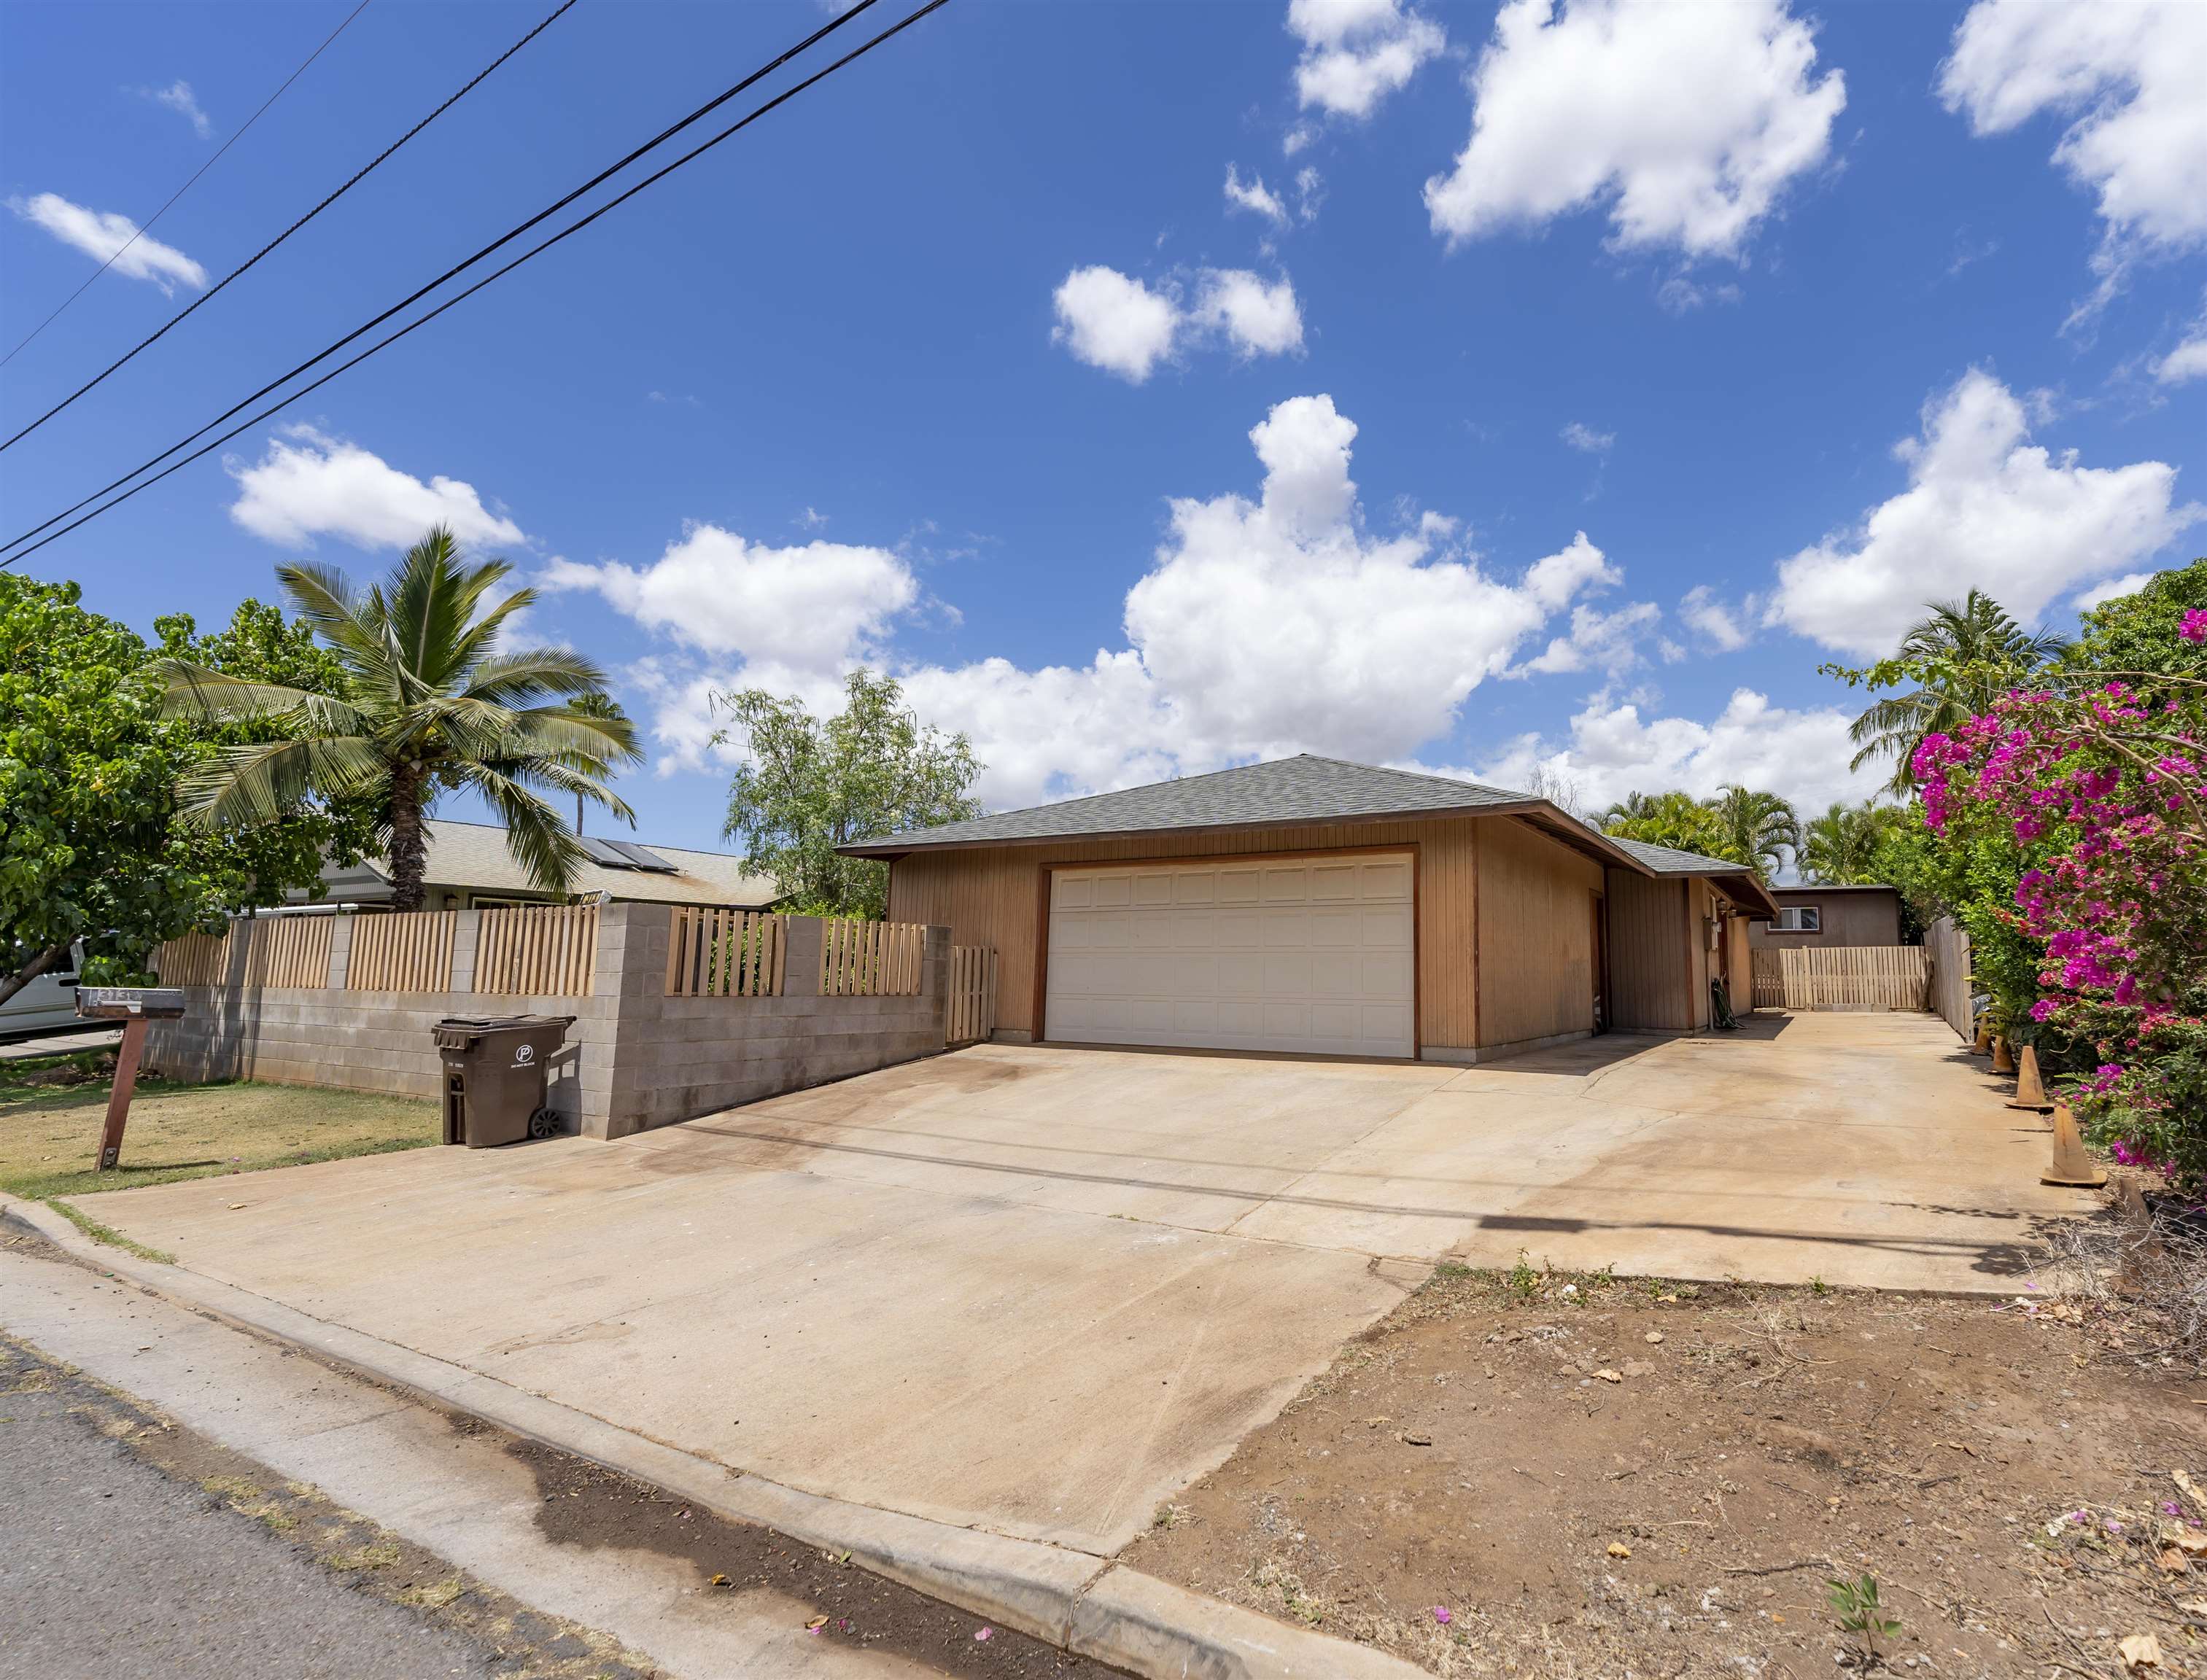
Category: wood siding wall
[1649,957]
[1536,934]
[994,896]
[1849,919]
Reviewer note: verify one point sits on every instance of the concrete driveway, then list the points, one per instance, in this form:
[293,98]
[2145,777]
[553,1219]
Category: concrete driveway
[1035,1290]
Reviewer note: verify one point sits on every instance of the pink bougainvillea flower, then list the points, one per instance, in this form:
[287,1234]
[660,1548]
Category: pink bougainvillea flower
[1441,1615]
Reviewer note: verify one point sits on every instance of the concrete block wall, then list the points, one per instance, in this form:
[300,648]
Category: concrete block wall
[634,1059]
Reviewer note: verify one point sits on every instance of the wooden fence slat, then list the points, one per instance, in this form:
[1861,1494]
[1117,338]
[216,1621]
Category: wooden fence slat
[1864,976]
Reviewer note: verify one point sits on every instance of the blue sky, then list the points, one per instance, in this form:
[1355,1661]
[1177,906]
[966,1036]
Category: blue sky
[1670,350]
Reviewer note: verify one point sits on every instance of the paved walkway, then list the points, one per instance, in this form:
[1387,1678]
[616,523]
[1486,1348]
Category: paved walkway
[1037,1290]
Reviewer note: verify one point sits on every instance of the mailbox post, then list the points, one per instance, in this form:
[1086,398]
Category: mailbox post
[133,1005]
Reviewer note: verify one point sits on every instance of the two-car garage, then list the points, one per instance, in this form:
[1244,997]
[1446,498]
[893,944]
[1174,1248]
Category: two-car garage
[1316,955]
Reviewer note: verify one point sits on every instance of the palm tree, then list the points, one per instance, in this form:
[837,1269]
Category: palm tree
[606,710]
[1982,649]
[1841,848]
[1761,826]
[426,705]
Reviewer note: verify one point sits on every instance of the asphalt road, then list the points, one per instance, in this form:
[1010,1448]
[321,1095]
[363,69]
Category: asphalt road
[111,1570]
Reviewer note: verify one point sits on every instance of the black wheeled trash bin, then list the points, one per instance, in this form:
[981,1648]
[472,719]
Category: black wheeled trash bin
[494,1076]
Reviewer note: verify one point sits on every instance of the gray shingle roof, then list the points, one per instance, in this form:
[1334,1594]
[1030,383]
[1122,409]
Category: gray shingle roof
[1669,860]
[1303,789]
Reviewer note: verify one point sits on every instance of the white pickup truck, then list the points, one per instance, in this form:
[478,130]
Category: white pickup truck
[48,1002]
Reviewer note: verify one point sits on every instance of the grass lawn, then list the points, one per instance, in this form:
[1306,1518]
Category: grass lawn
[51,1108]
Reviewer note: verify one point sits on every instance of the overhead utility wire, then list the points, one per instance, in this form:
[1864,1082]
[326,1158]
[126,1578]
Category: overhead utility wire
[246,425]
[358,176]
[187,187]
[507,237]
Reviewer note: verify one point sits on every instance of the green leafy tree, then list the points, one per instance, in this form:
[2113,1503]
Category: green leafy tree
[1846,846]
[424,703]
[1962,656]
[1743,825]
[806,787]
[2137,636]
[91,848]
[1759,828]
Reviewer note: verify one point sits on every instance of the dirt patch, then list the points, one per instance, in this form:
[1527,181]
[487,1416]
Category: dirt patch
[1515,1473]
[586,1506]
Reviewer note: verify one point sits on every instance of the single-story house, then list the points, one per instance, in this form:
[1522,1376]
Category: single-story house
[1317,905]
[470,869]
[1826,918]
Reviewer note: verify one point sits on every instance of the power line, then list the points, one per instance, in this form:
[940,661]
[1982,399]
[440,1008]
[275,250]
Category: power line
[358,176]
[246,425]
[506,238]
[187,187]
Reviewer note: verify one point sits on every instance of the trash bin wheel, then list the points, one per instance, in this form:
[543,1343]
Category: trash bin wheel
[545,1123]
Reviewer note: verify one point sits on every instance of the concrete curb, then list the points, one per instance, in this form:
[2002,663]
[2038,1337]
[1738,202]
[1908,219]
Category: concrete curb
[1076,1600]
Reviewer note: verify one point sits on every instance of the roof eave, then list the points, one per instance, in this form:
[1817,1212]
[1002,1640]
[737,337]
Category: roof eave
[906,845]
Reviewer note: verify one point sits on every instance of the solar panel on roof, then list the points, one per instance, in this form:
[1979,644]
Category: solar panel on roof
[642,858]
[602,852]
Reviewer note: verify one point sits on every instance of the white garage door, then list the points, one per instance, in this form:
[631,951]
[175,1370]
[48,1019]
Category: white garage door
[1314,956]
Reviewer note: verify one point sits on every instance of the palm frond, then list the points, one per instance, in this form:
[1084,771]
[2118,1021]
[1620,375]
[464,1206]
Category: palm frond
[530,674]
[197,691]
[250,785]
[538,841]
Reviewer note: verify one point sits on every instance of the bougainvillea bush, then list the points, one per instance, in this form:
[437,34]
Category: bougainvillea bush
[2092,787]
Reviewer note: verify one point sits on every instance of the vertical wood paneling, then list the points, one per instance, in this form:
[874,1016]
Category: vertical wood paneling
[1535,936]
[993,896]
[538,950]
[409,952]
[1648,968]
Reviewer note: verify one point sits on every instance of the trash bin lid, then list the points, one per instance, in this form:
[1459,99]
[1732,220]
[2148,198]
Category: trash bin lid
[481,1025]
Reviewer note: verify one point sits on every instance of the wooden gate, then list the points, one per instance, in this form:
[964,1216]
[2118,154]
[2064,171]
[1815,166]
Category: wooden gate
[1850,976]
[972,1013]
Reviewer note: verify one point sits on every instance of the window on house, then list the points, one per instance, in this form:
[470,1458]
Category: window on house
[1799,919]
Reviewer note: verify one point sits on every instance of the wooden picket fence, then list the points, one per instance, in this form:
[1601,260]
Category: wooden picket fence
[538,950]
[1856,977]
[1948,947]
[972,1003]
[716,953]
[870,959]
[277,951]
[412,952]
[193,959]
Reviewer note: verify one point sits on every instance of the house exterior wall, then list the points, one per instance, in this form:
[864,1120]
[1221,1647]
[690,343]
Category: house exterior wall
[1536,907]
[1494,896]
[634,1059]
[1851,917]
[1650,958]
[1739,963]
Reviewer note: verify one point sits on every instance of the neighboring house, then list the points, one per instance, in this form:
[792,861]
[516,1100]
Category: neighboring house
[469,868]
[1826,918]
[1311,905]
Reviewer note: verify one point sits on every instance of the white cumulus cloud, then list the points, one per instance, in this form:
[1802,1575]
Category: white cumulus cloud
[1259,317]
[103,234]
[1262,625]
[178,97]
[1984,508]
[1112,321]
[1255,197]
[1357,52]
[309,485]
[2131,77]
[1686,121]
[2188,360]
[1586,440]
[1612,749]
[809,608]
[1722,625]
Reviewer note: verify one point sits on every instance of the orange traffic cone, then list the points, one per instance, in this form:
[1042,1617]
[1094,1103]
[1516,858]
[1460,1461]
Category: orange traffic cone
[1983,1044]
[2070,1165]
[2003,1057]
[2030,1092]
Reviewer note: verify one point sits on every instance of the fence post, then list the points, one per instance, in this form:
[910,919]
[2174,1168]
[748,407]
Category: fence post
[467,938]
[801,975]
[340,949]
